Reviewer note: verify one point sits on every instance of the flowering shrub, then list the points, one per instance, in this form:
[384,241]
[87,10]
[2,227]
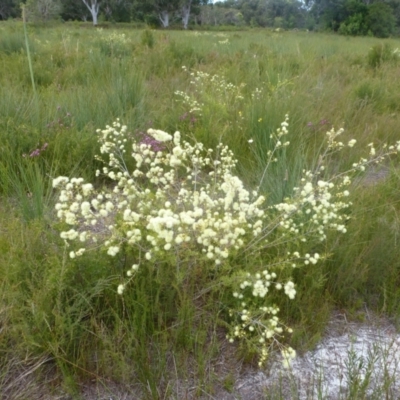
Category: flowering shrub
[183,207]
[213,93]
[210,91]
[165,201]
[113,43]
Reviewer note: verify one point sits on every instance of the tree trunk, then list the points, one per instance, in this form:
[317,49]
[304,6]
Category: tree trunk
[164,18]
[108,12]
[186,13]
[93,8]
[94,16]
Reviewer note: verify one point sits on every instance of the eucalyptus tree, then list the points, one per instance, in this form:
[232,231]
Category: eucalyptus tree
[94,7]
[186,7]
[164,9]
[118,10]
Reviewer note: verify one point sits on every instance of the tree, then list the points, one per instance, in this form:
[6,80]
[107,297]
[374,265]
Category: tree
[381,20]
[42,10]
[159,10]
[164,8]
[395,6]
[328,14]
[355,18]
[117,10]
[287,14]
[74,10]
[93,6]
[211,15]
[8,9]
[144,11]
[186,6]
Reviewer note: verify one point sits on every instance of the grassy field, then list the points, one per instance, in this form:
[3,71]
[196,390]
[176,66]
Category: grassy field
[61,318]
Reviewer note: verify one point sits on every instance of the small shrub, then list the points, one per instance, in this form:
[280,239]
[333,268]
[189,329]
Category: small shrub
[379,54]
[114,44]
[147,38]
[369,92]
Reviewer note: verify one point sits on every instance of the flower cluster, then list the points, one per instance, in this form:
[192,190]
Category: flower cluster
[155,144]
[279,142]
[64,121]
[178,197]
[36,152]
[113,37]
[192,103]
[316,206]
[113,43]
[253,316]
[210,90]
[269,89]
[183,202]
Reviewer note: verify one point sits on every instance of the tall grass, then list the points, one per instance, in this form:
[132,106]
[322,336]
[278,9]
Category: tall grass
[67,313]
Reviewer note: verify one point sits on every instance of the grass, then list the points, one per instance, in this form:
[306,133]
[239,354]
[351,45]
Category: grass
[63,319]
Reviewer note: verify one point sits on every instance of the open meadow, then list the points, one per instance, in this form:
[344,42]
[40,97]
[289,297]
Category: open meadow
[201,265]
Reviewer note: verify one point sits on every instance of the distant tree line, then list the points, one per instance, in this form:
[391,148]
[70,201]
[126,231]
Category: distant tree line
[349,17]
